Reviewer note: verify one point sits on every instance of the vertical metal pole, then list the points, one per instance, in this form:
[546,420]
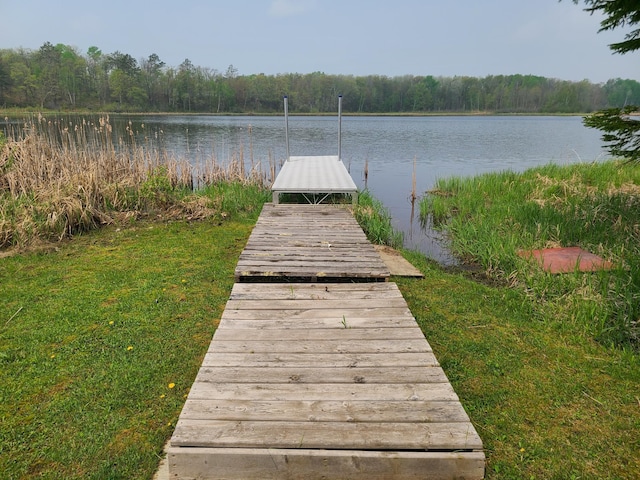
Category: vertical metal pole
[339,127]
[286,124]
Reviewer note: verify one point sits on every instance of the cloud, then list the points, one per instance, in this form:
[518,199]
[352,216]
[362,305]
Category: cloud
[288,8]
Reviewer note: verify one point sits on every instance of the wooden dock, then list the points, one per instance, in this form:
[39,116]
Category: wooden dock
[330,380]
[309,243]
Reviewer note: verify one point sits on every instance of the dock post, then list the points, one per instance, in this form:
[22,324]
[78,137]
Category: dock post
[339,127]
[286,124]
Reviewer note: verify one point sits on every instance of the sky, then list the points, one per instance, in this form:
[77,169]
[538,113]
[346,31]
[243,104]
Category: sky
[349,37]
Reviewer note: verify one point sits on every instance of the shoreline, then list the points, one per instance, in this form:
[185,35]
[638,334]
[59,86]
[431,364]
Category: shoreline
[10,113]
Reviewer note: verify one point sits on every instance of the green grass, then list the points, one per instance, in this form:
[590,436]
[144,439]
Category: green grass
[490,218]
[375,221]
[93,334]
[547,402]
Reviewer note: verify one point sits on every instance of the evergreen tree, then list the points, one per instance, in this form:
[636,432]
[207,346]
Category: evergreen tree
[618,13]
[620,129]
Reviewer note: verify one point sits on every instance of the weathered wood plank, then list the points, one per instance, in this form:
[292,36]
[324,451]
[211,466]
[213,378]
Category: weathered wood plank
[266,322]
[319,346]
[307,290]
[291,246]
[325,241]
[318,303]
[312,274]
[317,334]
[276,464]
[310,262]
[343,243]
[350,314]
[321,374]
[398,360]
[331,435]
[348,261]
[373,411]
[410,392]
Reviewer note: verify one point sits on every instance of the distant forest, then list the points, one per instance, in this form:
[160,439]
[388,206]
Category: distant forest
[60,77]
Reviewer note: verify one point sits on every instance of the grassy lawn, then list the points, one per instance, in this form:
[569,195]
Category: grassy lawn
[101,337]
[548,404]
[100,341]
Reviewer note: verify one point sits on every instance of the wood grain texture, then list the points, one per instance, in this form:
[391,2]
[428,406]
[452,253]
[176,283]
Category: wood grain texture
[309,241]
[303,373]
[308,464]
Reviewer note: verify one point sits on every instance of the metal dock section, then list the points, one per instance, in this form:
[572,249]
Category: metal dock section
[314,177]
[322,381]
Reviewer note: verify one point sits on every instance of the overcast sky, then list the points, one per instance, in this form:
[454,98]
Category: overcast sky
[352,37]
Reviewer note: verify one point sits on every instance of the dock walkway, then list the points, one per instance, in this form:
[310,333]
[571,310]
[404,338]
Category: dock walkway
[309,243]
[320,380]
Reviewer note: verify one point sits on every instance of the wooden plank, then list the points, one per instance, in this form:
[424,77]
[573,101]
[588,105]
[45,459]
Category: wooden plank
[319,346]
[372,411]
[331,435]
[338,243]
[301,270]
[311,232]
[410,392]
[310,261]
[296,360]
[321,374]
[308,290]
[266,322]
[350,314]
[327,248]
[316,334]
[276,464]
[317,303]
[312,272]
[347,259]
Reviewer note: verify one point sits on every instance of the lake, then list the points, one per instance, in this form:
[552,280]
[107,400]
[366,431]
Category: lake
[441,146]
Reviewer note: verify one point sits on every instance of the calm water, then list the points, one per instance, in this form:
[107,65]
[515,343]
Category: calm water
[441,147]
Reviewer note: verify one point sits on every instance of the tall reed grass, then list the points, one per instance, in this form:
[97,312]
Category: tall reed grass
[490,218]
[59,177]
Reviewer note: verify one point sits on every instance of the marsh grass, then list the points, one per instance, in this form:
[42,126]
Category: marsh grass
[375,221]
[59,178]
[490,218]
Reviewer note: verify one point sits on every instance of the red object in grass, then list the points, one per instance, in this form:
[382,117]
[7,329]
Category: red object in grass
[567,259]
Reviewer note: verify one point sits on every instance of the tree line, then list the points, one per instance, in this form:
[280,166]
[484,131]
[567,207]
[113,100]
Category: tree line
[60,77]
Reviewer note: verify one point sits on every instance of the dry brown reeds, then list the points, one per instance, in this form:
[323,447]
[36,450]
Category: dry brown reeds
[58,178]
